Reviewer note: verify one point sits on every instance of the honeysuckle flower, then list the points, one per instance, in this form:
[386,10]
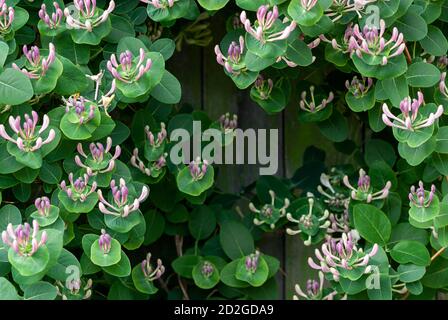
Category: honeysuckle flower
[314,290]
[28,139]
[129,69]
[339,223]
[442,85]
[23,240]
[105,242]
[151,273]
[228,123]
[100,160]
[36,66]
[7,15]
[359,87]
[411,119]
[207,269]
[264,87]
[154,166]
[43,206]
[161,136]
[309,224]
[341,7]
[269,213]
[55,19]
[252,261]
[262,30]
[442,62]
[233,61]
[79,189]
[334,199]
[364,191]
[421,198]
[198,168]
[160,4]
[84,108]
[308,4]
[311,105]
[74,287]
[371,41]
[122,204]
[345,45]
[342,254]
[88,15]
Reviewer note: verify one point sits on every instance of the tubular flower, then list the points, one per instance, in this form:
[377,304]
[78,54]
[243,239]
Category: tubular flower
[342,254]
[43,206]
[227,123]
[28,139]
[264,87]
[79,189]
[345,44]
[233,62]
[105,242]
[154,167]
[252,261]
[410,119]
[207,269]
[311,106]
[83,108]
[364,192]
[122,204]
[442,63]
[339,224]
[130,69]
[55,19]
[309,224]
[371,41]
[442,85]
[314,290]
[269,214]
[198,168]
[308,4]
[160,4]
[421,198]
[100,160]
[88,15]
[151,273]
[36,66]
[337,200]
[74,288]
[23,240]
[161,136]
[264,29]
[341,7]
[359,88]
[6,18]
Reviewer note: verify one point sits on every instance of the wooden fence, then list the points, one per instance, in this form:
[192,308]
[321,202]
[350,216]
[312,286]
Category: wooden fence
[207,88]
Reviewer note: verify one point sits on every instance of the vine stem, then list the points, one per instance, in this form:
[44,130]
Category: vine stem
[179,242]
[438,253]
[408,55]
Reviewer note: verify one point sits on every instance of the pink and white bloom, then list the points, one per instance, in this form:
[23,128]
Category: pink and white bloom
[313,106]
[128,69]
[421,198]
[23,239]
[43,206]
[308,4]
[79,189]
[105,242]
[99,160]
[262,29]
[160,4]
[28,135]
[36,66]
[151,273]
[410,119]
[359,87]
[154,166]
[122,204]
[364,190]
[87,15]
[53,21]
[233,62]
[7,15]
[156,141]
[198,168]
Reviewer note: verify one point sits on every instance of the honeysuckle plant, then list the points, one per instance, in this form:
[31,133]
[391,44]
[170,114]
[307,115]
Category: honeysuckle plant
[271,213]
[364,190]
[78,196]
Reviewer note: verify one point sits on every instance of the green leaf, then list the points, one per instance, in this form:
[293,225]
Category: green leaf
[202,281]
[15,87]
[255,279]
[188,185]
[141,283]
[29,266]
[168,90]
[422,74]
[40,291]
[102,259]
[235,239]
[409,251]
[372,224]
[437,274]
[184,265]
[413,26]
[7,290]
[435,42]
[213,5]
[410,272]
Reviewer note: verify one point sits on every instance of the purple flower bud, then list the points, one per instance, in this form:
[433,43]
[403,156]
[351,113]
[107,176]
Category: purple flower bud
[105,242]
